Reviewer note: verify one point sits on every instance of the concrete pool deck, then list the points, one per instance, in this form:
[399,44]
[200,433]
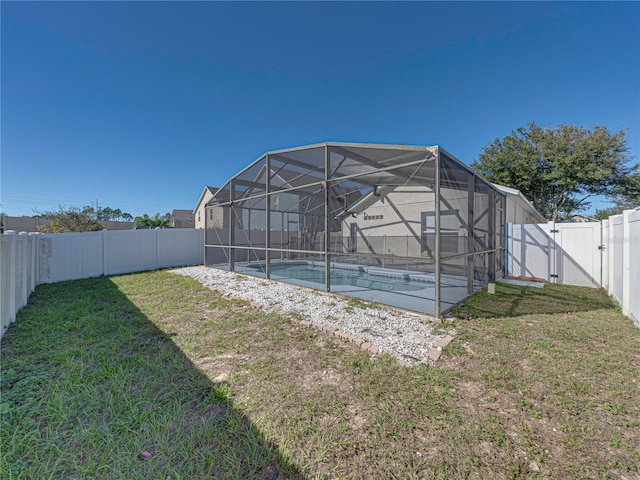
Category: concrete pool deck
[420,299]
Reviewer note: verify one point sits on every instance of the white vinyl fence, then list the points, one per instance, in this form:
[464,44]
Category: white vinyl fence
[600,254]
[595,254]
[27,260]
[18,274]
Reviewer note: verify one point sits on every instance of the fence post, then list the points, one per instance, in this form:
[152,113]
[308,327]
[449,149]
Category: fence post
[12,276]
[626,271]
[24,294]
[104,252]
[611,246]
[33,244]
[157,248]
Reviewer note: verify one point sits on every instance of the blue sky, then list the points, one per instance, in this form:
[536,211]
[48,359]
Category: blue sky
[139,105]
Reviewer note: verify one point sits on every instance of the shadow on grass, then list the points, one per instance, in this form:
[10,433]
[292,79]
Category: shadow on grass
[91,388]
[515,300]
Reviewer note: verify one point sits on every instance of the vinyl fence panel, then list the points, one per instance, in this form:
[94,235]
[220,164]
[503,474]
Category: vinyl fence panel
[631,307]
[559,253]
[20,271]
[605,253]
[69,256]
[596,254]
[17,274]
[578,254]
[7,279]
[528,248]
[616,257]
[180,246]
[128,251]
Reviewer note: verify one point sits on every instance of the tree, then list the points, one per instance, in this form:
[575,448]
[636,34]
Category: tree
[105,214]
[621,204]
[72,219]
[156,221]
[559,169]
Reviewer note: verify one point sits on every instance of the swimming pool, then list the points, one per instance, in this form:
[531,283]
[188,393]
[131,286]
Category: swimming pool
[372,278]
[405,289]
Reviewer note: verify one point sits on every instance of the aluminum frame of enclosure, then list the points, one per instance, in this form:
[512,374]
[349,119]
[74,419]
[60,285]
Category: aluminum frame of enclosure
[407,226]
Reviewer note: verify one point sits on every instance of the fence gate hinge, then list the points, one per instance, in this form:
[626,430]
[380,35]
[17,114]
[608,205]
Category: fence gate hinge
[554,231]
[602,247]
[553,275]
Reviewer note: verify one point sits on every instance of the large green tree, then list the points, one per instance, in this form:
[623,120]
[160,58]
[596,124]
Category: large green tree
[560,169]
[69,220]
[621,204]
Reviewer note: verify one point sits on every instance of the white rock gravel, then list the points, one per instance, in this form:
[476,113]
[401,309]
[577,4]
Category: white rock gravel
[404,335]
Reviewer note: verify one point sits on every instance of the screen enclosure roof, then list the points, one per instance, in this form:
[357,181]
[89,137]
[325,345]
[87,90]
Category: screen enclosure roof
[353,171]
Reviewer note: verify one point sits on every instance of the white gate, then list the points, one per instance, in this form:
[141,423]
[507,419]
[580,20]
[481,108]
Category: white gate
[567,253]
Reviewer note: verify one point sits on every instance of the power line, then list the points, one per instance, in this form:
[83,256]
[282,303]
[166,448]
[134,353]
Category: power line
[51,201]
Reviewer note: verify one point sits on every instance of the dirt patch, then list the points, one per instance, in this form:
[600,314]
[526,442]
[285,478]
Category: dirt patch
[526,279]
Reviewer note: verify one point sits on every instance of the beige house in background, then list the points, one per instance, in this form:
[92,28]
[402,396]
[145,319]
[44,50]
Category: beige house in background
[199,212]
[182,219]
[403,219]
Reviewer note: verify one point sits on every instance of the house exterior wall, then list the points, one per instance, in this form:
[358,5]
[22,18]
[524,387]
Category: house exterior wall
[519,210]
[182,219]
[199,216]
[398,217]
[517,214]
[393,224]
[214,217]
[402,224]
[117,225]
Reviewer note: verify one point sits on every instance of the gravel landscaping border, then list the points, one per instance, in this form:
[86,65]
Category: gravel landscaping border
[411,338]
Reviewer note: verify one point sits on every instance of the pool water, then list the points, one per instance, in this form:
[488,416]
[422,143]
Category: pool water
[378,279]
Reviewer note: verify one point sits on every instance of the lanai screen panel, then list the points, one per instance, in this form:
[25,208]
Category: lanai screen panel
[471,225]
[394,224]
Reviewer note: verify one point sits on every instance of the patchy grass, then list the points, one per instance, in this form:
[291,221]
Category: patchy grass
[558,369]
[540,383]
[91,388]
[514,300]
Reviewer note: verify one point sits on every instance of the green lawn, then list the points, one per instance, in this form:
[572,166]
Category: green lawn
[153,376]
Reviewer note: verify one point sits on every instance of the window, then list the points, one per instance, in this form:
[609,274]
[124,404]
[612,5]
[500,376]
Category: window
[198,217]
[449,227]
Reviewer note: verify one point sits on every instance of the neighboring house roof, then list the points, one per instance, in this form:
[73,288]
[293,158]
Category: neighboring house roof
[579,219]
[205,190]
[521,200]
